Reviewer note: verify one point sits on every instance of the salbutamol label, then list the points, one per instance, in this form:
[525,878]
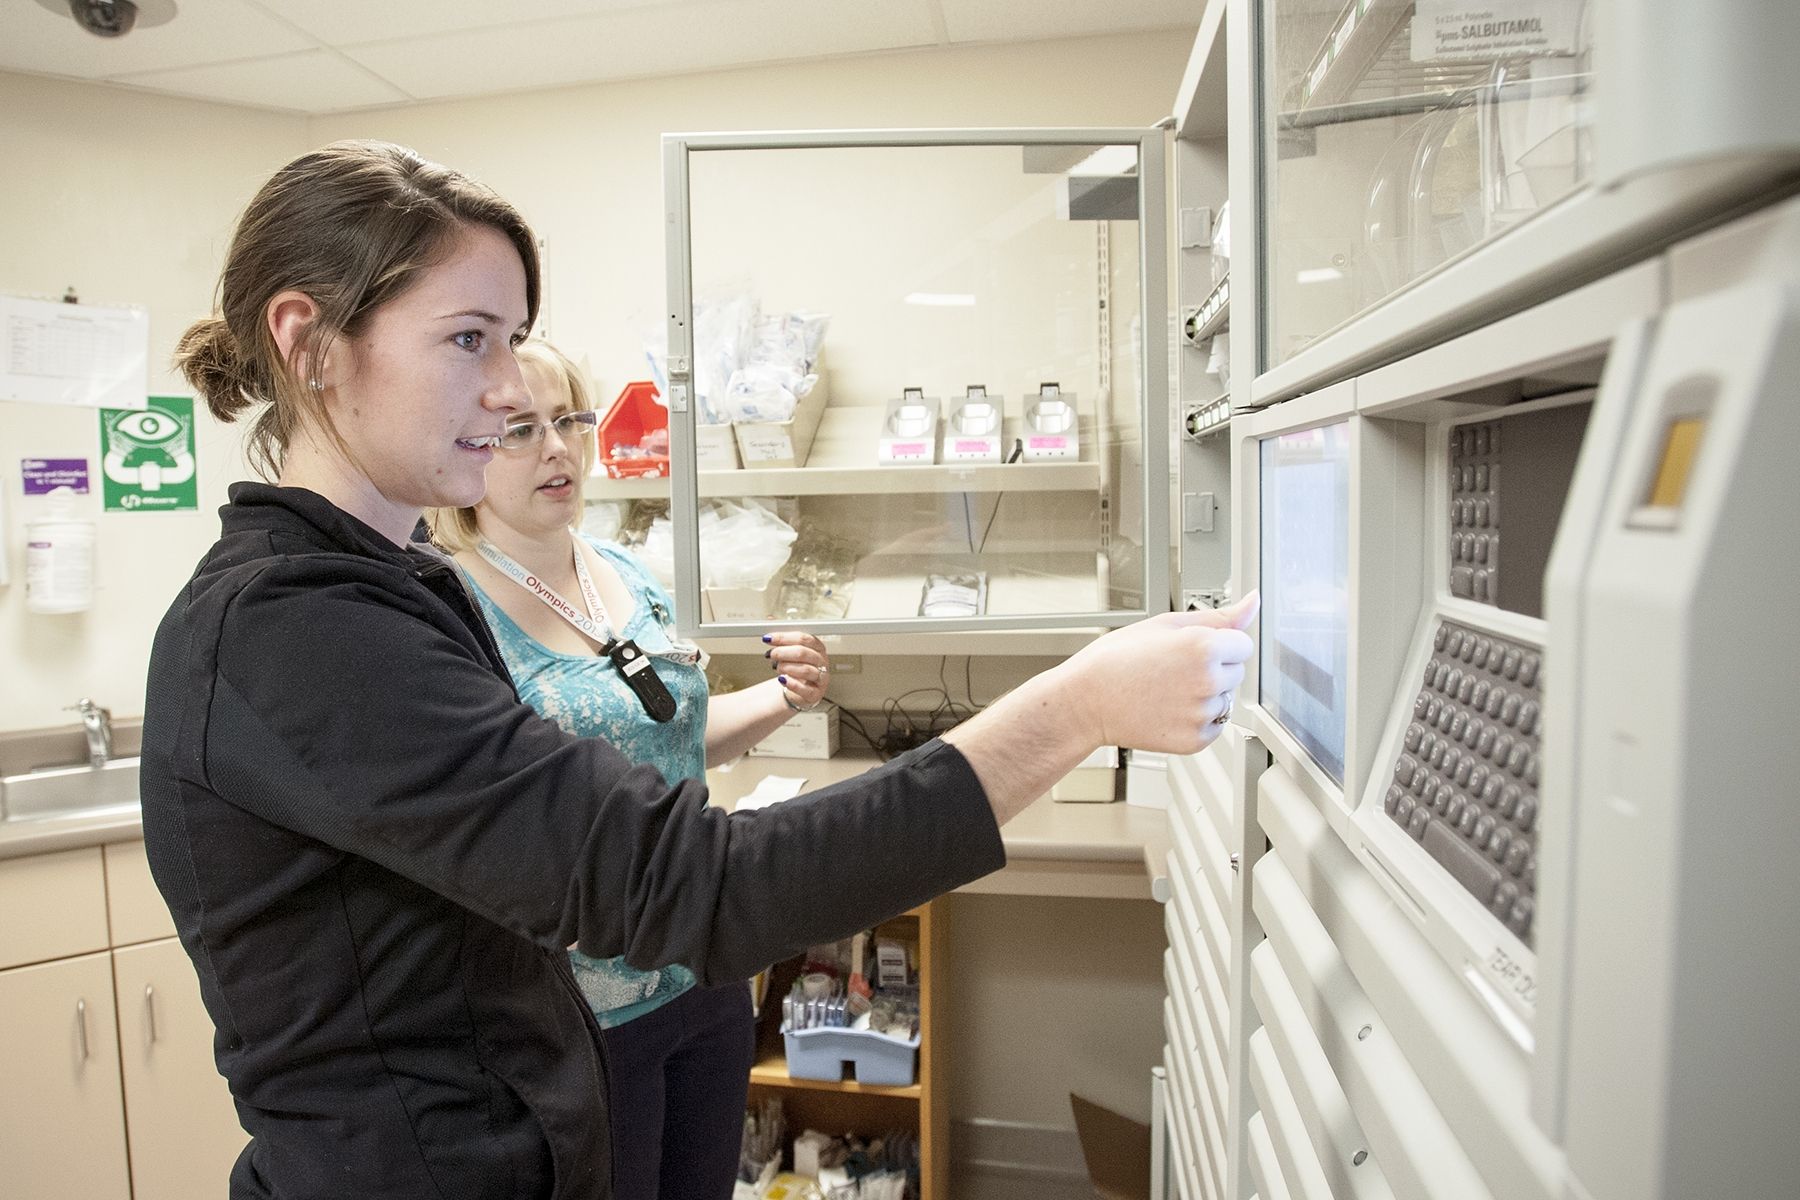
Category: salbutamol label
[1497,29]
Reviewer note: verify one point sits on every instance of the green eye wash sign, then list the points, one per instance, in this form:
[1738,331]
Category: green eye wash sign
[147,460]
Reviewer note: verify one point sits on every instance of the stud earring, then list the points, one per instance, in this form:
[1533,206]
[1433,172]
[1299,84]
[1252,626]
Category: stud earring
[315,385]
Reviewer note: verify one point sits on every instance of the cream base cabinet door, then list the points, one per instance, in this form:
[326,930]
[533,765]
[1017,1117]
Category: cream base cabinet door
[62,1130]
[183,1128]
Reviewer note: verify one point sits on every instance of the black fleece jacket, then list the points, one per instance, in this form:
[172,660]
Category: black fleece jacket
[377,856]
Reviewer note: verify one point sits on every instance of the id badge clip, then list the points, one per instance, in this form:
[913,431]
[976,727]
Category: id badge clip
[639,674]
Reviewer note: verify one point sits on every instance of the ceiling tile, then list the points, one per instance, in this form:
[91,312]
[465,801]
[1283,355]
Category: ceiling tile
[312,81]
[1027,20]
[203,31]
[660,40]
[336,22]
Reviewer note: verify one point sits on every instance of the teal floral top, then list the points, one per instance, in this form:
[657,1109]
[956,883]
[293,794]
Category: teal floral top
[585,695]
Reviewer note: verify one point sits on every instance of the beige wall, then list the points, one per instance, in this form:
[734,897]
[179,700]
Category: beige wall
[130,198]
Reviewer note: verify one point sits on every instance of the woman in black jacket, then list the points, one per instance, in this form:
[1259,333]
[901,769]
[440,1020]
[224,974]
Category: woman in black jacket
[377,857]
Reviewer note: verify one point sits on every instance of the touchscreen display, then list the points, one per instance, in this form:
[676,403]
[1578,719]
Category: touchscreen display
[1305,647]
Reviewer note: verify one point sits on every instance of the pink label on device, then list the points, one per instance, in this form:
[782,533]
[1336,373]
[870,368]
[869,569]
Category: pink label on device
[908,448]
[1049,443]
[967,446]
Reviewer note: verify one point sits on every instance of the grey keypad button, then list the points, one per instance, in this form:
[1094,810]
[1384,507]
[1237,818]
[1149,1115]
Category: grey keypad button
[1466,823]
[1416,823]
[1405,769]
[1500,842]
[1467,691]
[1452,759]
[1491,792]
[1441,637]
[1438,753]
[1496,699]
[1519,921]
[1515,762]
[1484,829]
[1454,646]
[1481,477]
[1447,718]
[1482,646]
[1433,707]
[1527,814]
[1403,807]
[1414,732]
[1483,509]
[1531,770]
[1462,582]
[1516,855]
[1509,711]
[1528,670]
[1427,744]
[1453,807]
[1504,896]
[1478,777]
[1510,796]
[1461,775]
[1471,870]
[1480,695]
[1420,705]
[1495,656]
[1483,585]
[1435,793]
[1503,748]
[1528,717]
[1443,673]
[1454,681]
[1481,549]
[1485,745]
[1472,734]
[1510,664]
[1393,797]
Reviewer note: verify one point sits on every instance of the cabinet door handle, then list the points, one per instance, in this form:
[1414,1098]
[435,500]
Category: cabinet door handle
[150,1011]
[81,1028]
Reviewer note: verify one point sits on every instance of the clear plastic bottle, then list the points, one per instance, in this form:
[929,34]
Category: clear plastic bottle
[59,556]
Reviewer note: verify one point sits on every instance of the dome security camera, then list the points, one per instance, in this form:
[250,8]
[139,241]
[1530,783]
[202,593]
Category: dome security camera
[104,18]
[113,18]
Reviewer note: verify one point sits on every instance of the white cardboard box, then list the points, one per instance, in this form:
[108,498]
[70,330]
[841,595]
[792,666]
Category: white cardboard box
[1095,780]
[806,735]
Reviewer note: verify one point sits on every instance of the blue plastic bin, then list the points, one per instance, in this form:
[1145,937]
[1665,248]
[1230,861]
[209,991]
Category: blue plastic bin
[880,1060]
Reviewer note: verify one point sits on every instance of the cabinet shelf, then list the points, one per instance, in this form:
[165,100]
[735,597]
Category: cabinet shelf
[842,463]
[1211,316]
[771,1071]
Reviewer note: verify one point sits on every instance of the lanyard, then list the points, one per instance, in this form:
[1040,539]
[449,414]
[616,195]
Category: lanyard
[600,631]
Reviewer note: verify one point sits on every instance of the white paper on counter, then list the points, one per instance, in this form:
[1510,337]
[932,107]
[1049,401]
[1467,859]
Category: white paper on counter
[772,790]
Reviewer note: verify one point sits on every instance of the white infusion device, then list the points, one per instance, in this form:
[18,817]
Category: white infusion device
[1050,433]
[972,427]
[909,430]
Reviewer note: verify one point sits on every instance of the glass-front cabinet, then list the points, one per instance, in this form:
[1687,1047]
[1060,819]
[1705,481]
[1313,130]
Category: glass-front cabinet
[916,380]
[1398,135]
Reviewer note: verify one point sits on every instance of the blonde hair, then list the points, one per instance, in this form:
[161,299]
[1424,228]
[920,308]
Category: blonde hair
[455,529]
[352,226]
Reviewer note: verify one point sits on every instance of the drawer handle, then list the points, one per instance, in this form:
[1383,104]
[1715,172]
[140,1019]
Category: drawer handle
[81,1028]
[150,1012]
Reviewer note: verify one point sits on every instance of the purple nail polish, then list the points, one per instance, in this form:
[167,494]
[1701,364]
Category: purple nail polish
[768,637]
[781,679]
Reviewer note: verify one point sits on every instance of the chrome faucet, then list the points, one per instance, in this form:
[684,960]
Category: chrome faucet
[97,722]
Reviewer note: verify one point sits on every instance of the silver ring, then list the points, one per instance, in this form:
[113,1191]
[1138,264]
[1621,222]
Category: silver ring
[1224,717]
[824,671]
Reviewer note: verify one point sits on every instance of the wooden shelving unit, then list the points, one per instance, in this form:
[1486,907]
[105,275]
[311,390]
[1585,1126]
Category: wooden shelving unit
[846,1106]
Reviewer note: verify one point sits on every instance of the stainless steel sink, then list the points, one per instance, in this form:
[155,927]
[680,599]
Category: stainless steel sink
[70,791]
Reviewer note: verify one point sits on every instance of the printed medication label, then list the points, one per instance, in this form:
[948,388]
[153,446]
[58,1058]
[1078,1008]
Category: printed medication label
[1456,29]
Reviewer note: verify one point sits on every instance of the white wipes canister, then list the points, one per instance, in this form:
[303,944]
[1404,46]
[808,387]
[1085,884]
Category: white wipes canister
[59,558]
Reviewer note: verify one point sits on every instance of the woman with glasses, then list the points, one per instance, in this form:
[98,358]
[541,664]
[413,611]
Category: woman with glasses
[559,604]
[376,855]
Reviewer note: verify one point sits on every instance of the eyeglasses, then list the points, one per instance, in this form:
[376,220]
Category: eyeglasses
[526,434]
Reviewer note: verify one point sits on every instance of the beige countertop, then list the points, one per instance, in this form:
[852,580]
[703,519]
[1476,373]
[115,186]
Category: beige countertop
[1103,851]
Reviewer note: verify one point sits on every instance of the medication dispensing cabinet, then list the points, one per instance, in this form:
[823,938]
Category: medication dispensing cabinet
[1505,914]
[994,451]
[1484,894]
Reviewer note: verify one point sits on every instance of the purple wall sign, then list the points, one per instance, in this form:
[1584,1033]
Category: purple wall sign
[42,475]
